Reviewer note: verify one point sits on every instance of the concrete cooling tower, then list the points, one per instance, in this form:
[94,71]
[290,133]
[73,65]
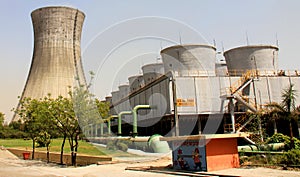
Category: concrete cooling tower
[56,61]
[152,71]
[124,90]
[262,58]
[136,82]
[190,60]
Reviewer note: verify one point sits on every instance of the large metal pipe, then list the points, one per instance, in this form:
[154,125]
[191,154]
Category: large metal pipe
[120,121]
[108,122]
[134,112]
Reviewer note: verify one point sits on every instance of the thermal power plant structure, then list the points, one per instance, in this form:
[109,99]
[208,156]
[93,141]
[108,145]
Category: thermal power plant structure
[56,63]
[193,94]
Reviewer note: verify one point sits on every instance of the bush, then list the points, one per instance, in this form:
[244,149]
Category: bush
[111,145]
[280,138]
[117,145]
[122,146]
[292,157]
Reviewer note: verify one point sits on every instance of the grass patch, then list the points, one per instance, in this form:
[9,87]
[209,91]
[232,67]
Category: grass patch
[84,147]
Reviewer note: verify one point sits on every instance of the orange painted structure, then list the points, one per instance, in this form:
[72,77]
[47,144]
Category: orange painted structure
[216,151]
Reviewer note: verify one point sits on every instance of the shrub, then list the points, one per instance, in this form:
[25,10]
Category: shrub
[292,157]
[122,146]
[280,138]
[111,145]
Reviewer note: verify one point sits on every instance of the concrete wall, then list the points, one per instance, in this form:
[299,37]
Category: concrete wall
[156,94]
[55,157]
[206,95]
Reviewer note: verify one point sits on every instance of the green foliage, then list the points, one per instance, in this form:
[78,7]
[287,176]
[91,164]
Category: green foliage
[291,157]
[1,119]
[43,140]
[122,146]
[278,138]
[117,145]
[103,108]
[111,145]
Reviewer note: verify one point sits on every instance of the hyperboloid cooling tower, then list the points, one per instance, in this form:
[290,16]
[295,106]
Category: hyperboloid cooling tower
[56,62]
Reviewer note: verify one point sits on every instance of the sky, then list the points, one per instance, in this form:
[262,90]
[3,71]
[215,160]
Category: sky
[121,36]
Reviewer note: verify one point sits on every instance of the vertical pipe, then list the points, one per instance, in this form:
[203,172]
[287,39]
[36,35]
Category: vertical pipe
[119,125]
[120,121]
[232,114]
[101,128]
[108,127]
[108,123]
[175,106]
[134,113]
[96,130]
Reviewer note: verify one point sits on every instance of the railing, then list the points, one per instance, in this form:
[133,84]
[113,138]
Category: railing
[238,73]
[244,78]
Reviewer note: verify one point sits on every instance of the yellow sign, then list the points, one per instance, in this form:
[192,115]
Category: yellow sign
[190,102]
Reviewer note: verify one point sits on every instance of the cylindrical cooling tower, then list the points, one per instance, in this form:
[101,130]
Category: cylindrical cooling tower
[115,97]
[262,58]
[190,59]
[152,71]
[56,62]
[136,82]
[124,91]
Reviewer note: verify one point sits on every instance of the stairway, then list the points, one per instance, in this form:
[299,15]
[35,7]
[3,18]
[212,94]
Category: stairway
[237,87]
[236,93]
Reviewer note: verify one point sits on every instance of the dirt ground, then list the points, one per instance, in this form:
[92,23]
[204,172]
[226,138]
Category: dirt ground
[11,166]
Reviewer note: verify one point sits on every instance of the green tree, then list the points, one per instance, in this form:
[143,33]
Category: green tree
[2,119]
[103,108]
[286,110]
[28,113]
[86,113]
[63,115]
[35,114]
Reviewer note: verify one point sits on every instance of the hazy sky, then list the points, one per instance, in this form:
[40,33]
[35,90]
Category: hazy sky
[121,36]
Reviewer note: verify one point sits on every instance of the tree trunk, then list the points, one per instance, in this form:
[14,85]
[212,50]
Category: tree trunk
[62,150]
[33,148]
[48,154]
[72,150]
[291,135]
[76,147]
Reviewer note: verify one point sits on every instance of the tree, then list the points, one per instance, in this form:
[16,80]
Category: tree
[103,108]
[28,114]
[35,114]
[2,119]
[65,119]
[286,110]
[62,112]
[86,113]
